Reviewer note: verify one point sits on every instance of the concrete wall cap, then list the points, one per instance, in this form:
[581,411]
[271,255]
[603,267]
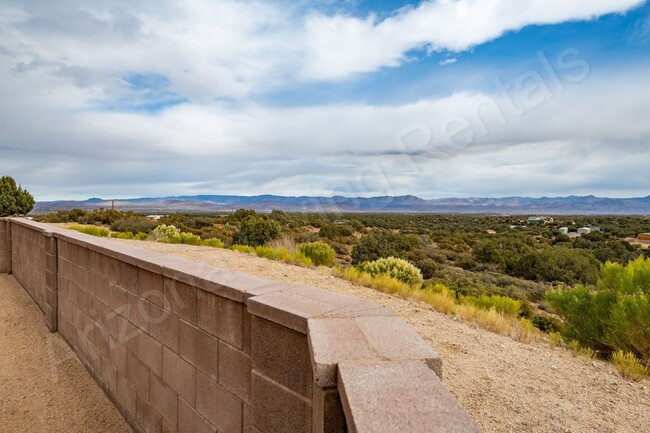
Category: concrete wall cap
[398,397]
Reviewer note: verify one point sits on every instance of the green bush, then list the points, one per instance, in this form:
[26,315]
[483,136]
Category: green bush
[320,253]
[122,235]
[629,366]
[383,243]
[166,233]
[502,304]
[134,224]
[243,248]
[14,200]
[283,254]
[397,268]
[255,231]
[92,230]
[614,317]
[190,239]
[213,242]
[547,323]
[141,237]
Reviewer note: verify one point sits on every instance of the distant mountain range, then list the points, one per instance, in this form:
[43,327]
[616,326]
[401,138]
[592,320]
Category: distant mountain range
[572,205]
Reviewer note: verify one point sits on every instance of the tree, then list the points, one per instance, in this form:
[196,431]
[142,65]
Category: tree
[14,200]
[256,230]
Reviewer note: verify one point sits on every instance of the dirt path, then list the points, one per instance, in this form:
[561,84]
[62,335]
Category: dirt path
[43,387]
[506,385]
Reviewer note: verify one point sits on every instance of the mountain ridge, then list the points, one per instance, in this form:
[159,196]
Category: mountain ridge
[569,205]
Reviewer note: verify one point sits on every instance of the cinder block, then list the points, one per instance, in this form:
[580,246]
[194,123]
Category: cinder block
[150,353]
[147,416]
[164,399]
[151,287]
[109,320]
[218,406]
[119,298]
[109,268]
[127,276]
[163,326]
[199,349]
[278,410]
[118,355]
[138,311]
[126,393]
[182,299]
[180,375]
[109,375]
[235,371]
[138,374]
[282,354]
[127,334]
[189,420]
[167,427]
[102,339]
[221,317]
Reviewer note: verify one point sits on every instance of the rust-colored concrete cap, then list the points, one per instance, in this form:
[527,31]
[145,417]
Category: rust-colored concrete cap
[399,397]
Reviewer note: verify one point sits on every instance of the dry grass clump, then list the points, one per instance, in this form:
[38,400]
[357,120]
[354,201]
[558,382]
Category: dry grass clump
[442,299]
[629,365]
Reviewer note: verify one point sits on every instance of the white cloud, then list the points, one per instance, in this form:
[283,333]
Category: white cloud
[448,61]
[340,46]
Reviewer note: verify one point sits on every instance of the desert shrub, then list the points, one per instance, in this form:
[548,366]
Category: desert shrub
[243,248]
[123,235]
[383,243]
[502,304]
[166,233]
[546,323]
[190,239]
[397,268]
[381,282]
[282,254]
[213,242]
[92,230]
[629,366]
[555,339]
[134,224]
[141,237]
[320,253]
[255,231]
[14,200]
[614,317]
[526,331]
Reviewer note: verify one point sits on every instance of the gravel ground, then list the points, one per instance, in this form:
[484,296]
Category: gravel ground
[506,385]
[43,386]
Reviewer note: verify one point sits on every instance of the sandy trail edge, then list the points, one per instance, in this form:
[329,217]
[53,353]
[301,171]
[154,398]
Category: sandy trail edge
[43,386]
[507,386]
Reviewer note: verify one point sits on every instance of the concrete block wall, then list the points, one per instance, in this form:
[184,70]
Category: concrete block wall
[5,249]
[181,346]
[33,263]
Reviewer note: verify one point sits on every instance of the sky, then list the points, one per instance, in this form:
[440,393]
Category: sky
[440,98]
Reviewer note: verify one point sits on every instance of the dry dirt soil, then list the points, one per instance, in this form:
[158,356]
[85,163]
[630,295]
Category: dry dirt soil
[43,386]
[506,385]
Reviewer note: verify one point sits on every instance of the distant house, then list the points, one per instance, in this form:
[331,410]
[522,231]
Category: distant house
[644,236]
[155,217]
[596,229]
[340,222]
[564,230]
[535,220]
[491,232]
[584,230]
